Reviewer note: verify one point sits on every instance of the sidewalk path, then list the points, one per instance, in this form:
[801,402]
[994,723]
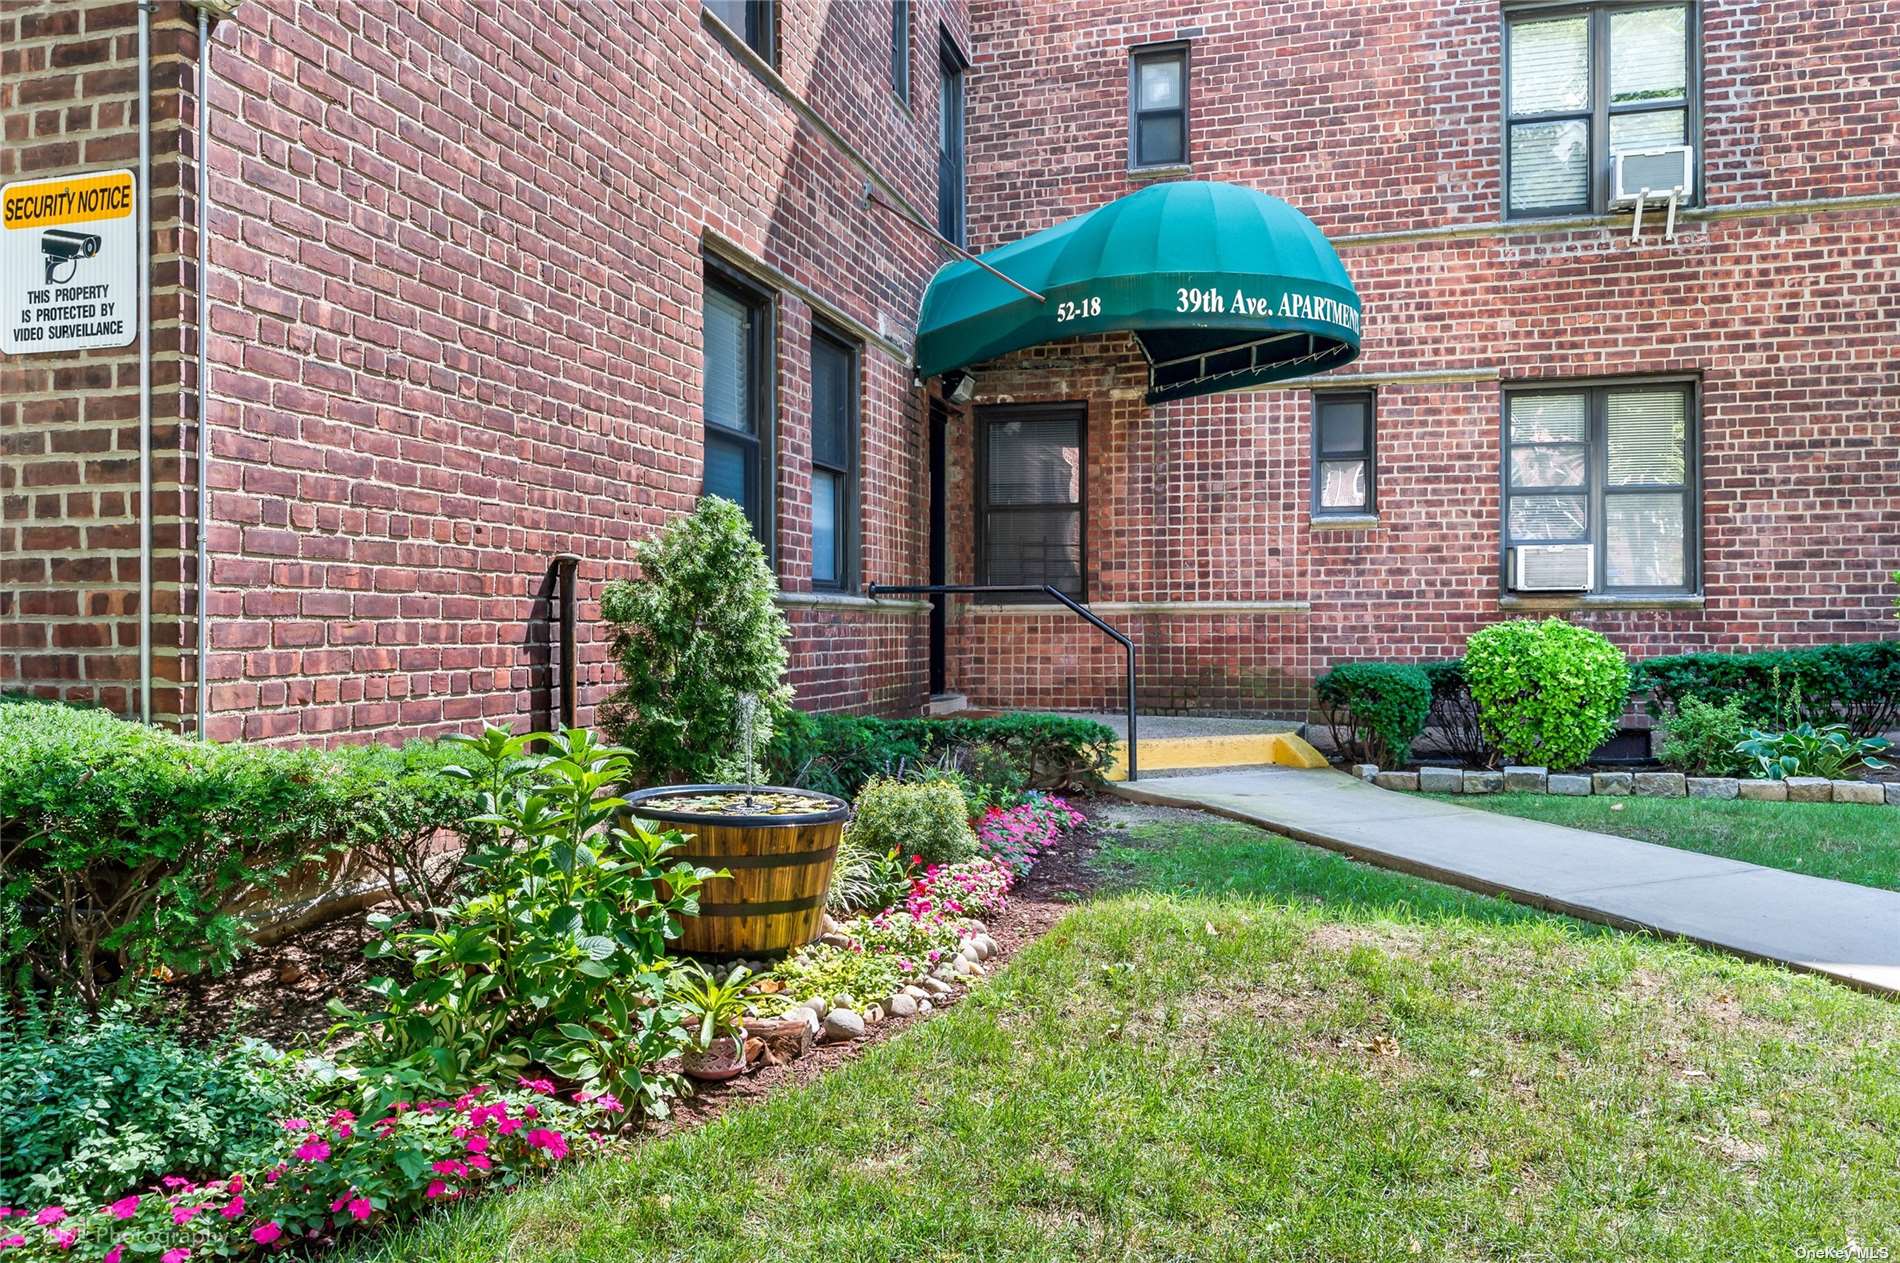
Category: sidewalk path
[1835,928]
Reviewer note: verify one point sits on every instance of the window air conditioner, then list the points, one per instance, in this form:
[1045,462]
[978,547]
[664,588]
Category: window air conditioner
[1552,567]
[1654,173]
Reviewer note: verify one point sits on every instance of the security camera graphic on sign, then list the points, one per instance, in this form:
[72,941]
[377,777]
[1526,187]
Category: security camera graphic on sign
[63,251]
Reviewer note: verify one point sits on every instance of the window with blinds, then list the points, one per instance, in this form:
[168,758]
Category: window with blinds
[1029,496]
[834,459]
[1608,466]
[1157,106]
[1582,84]
[1342,453]
[736,399]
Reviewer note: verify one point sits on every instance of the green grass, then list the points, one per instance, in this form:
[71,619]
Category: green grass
[1843,841]
[1253,1050]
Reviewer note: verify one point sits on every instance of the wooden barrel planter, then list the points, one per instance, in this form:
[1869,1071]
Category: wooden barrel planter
[780,859]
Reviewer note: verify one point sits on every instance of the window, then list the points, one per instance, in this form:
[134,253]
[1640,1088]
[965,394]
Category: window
[834,460]
[1157,107]
[1611,467]
[1029,496]
[1342,454]
[900,49]
[950,142]
[751,20]
[738,397]
[1583,83]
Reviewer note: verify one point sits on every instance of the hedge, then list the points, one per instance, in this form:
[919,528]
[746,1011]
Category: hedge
[124,849]
[1548,692]
[1454,716]
[839,753]
[1376,710]
[1857,685]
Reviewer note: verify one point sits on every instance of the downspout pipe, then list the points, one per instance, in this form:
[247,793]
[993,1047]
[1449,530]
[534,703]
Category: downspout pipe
[146,507]
[203,518]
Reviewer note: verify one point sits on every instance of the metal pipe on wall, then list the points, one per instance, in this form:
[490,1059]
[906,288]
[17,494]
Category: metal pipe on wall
[204,364]
[145,359]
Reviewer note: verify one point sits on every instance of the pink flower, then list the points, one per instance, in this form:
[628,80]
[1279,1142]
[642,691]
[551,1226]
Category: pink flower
[477,1144]
[124,1208]
[177,1254]
[314,1149]
[296,1124]
[177,1181]
[480,1162]
[62,1237]
[340,1123]
[275,1174]
[508,1126]
[51,1215]
[264,1234]
[7,1243]
[360,1208]
[114,1254]
[536,1085]
[450,1166]
[185,1214]
[233,1208]
[436,1189]
[552,1142]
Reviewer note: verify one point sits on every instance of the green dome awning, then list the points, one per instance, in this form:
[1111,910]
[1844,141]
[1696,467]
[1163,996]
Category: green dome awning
[1225,287]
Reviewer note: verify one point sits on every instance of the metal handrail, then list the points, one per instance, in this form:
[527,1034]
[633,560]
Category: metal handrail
[970,589]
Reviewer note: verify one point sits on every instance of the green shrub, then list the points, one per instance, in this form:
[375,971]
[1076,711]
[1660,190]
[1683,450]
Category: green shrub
[93,1106]
[556,957]
[926,821]
[1006,753]
[1857,685]
[1700,738]
[1547,692]
[126,850]
[1375,709]
[399,806]
[698,628]
[1454,716]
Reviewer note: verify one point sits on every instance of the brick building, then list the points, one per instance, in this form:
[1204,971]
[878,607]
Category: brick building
[492,283]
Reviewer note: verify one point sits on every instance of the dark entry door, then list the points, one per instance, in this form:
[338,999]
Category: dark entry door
[939,542]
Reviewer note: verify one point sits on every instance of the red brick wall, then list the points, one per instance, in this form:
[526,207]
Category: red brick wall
[456,261]
[1383,119]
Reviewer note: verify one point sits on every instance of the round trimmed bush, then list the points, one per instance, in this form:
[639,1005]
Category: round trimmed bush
[1375,709]
[1547,693]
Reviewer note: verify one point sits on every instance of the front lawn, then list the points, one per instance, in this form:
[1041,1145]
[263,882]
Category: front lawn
[1844,841]
[1251,1049]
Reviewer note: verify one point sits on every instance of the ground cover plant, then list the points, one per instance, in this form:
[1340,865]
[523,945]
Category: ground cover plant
[1256,1050]
[1843,841]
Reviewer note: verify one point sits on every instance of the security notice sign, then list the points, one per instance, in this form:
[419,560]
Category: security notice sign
[69,263]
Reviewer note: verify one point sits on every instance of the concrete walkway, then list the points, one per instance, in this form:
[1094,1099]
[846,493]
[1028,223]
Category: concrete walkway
[1845,931]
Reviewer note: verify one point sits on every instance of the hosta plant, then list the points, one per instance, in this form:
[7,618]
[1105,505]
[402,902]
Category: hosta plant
[555,958]
[1805,750]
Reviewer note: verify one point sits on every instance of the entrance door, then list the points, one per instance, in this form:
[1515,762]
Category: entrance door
[939,542]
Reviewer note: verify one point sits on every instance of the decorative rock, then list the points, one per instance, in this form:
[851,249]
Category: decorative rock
[1809,789]
[1441,780]
[924,1006]
[903,1005]
[1363,771]
[874,1014]
[1713,787]
[946,972]
[816,1004]
[1893,793]
[1525,780]
[1866,792]
[989,941]
[843,1024]
[1660,785]
[915,992]
[807,1018]
[1611,784]
[841,1002]
[1396,780]
[1483,782]
[937,986]
[1762,791]
[1568,784]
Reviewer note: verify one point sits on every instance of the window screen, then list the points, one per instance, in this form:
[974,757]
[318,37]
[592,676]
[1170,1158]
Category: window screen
[1158,107]
[834,440]
[1342,453]
[735,400]
[1611,467]
[1585,83]
[1030,497]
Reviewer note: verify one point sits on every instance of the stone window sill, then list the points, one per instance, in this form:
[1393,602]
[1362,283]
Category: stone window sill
[850,601]
[1345,521]
[1170,171]
[1558,603]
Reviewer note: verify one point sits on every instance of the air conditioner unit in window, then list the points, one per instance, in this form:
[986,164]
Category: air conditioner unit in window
[1666,171]
[1552,567]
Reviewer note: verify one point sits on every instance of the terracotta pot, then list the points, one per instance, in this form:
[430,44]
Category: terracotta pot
[724,1059]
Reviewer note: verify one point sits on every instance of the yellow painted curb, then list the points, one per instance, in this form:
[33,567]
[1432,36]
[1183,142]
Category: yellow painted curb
[1160,754]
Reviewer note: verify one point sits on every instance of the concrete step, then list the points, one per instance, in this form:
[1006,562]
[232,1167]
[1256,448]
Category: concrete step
[946,704]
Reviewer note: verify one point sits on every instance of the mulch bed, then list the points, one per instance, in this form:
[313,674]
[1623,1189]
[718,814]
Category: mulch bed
[281,993]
